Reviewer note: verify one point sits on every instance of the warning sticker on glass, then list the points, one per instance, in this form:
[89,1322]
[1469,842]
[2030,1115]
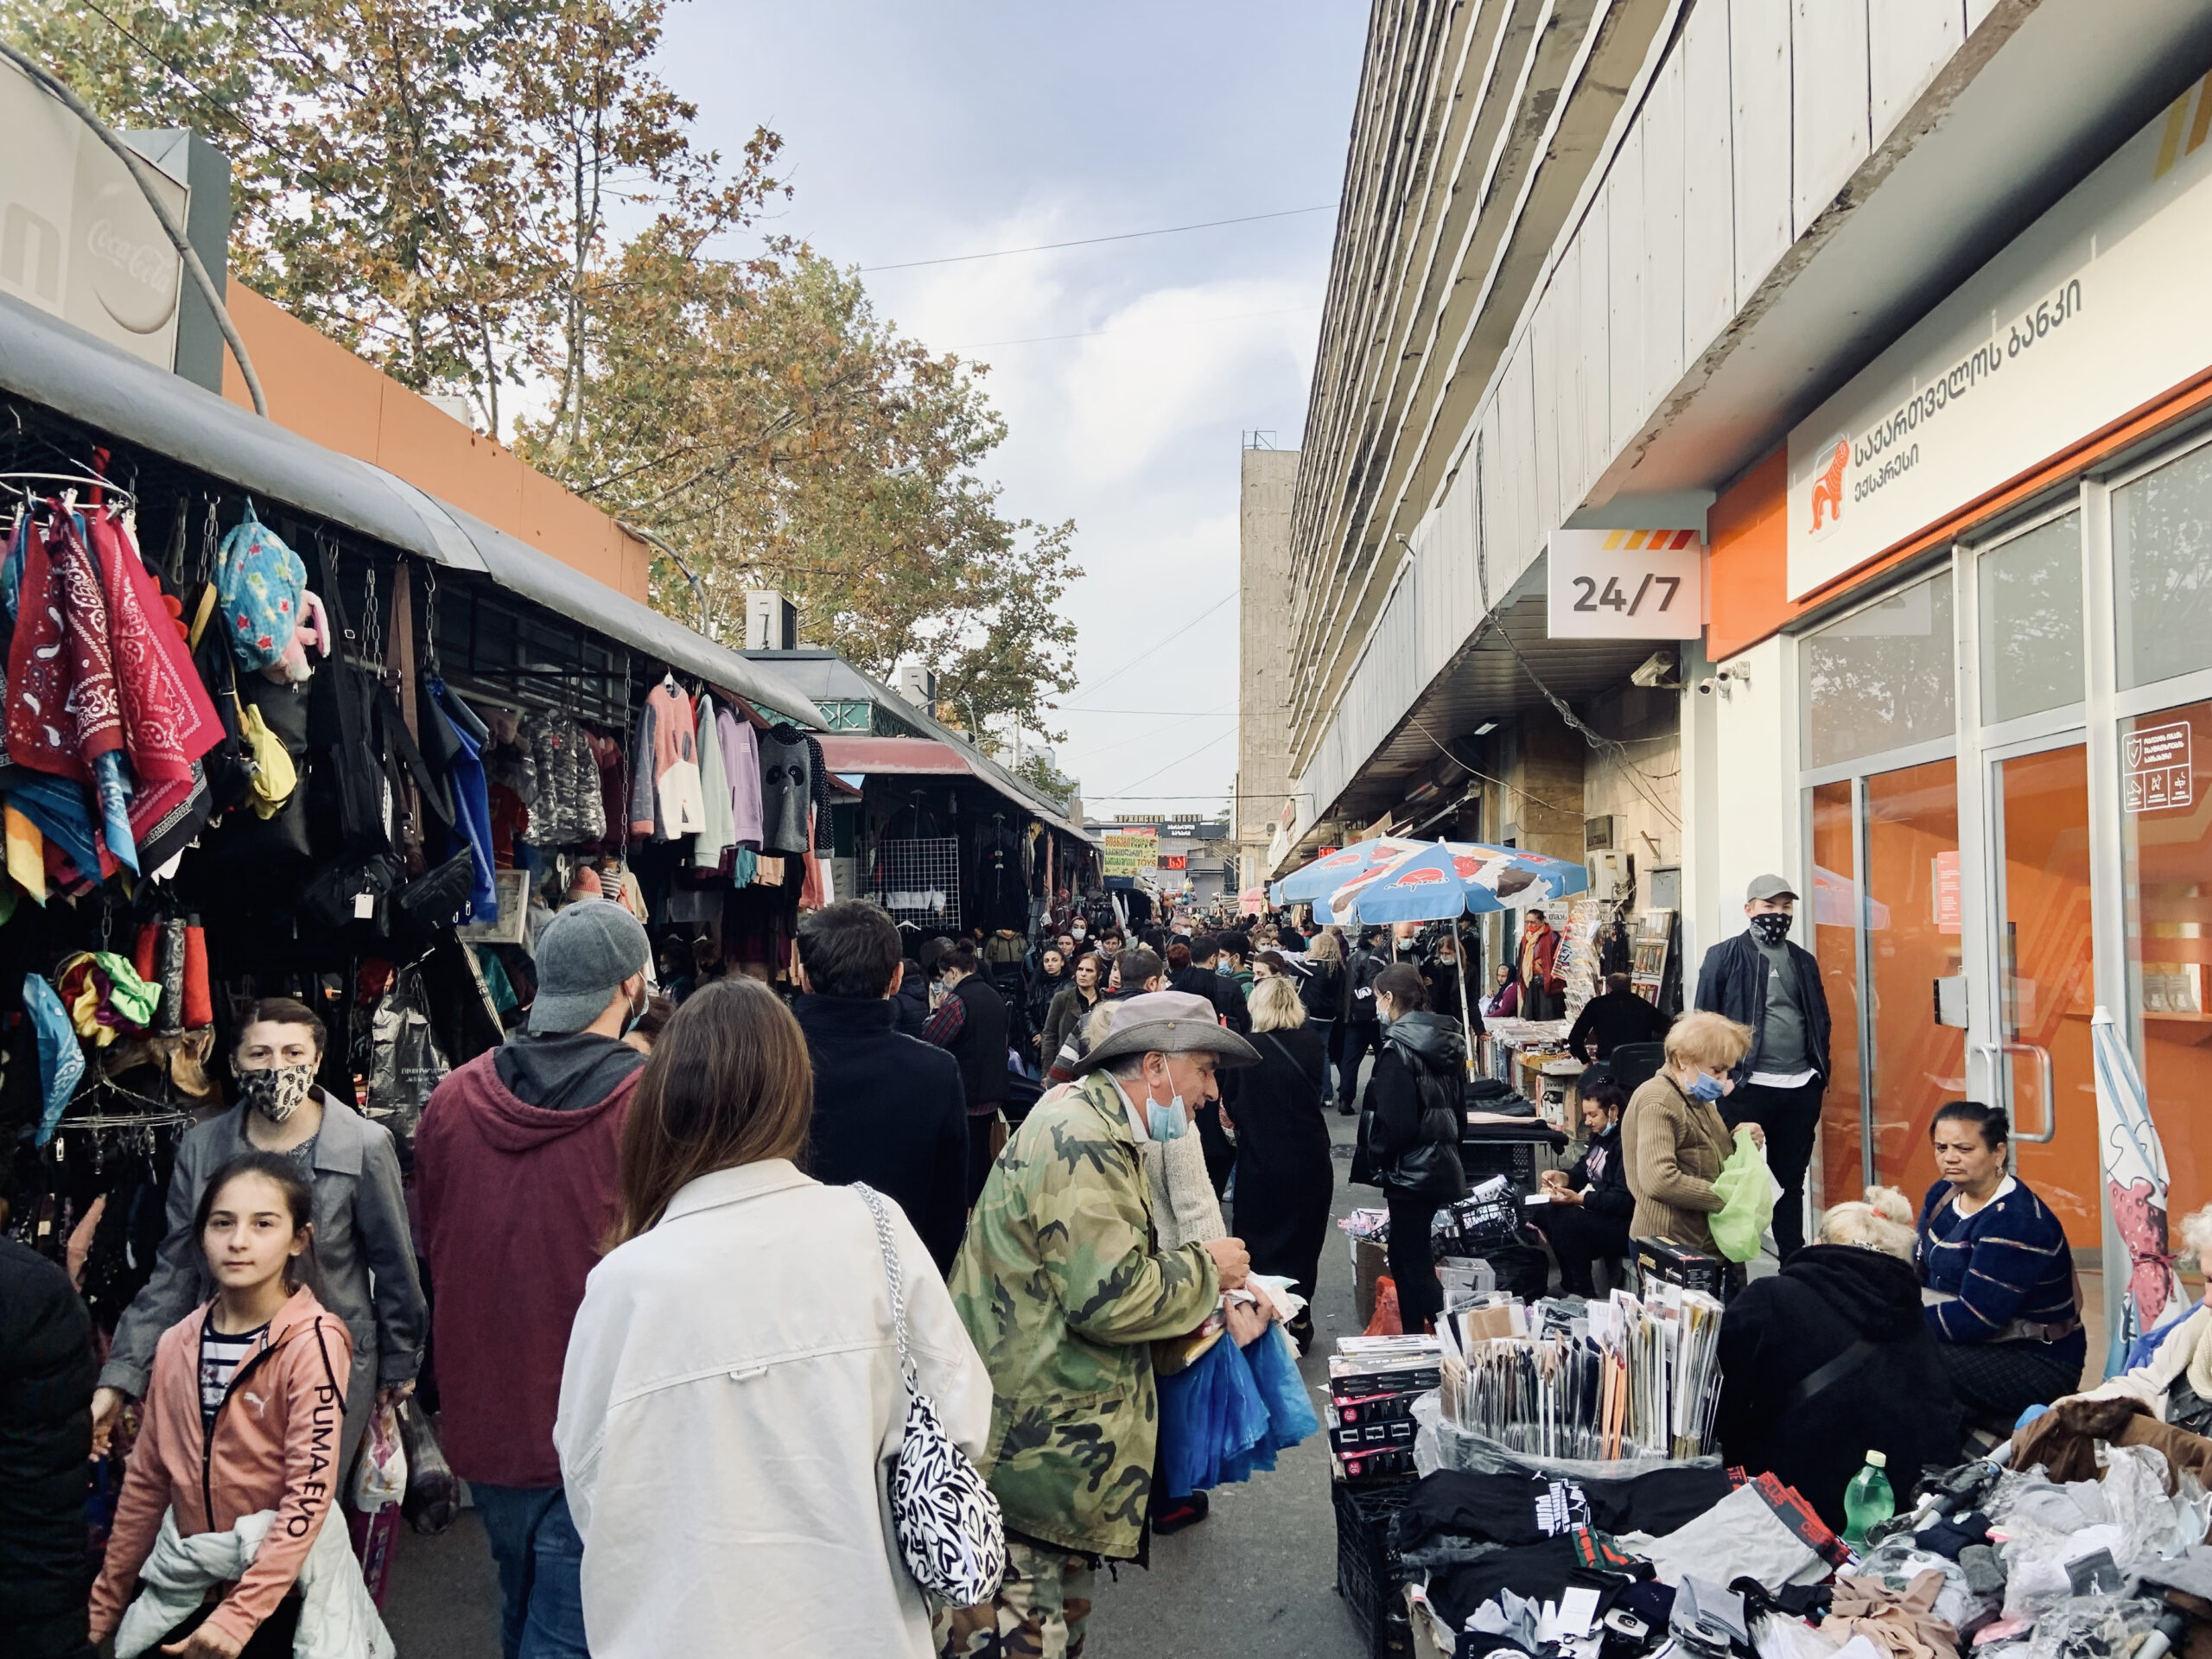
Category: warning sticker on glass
[2155,768]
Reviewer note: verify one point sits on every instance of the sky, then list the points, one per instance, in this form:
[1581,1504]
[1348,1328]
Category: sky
[914,133]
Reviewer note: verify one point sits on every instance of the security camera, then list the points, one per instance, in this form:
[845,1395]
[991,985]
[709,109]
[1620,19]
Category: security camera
[1653,674]
[1705,686]
[1735,674]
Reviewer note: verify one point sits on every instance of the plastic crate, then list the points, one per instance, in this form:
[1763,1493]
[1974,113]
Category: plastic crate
[1368,1573]
[1479,1225]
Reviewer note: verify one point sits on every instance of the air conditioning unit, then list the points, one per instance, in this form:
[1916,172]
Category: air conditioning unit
[1612,874]
[771,621]
[918,685]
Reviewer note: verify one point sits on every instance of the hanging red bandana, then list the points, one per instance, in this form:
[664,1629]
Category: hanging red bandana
[41,732]
[167,720]
[93,700]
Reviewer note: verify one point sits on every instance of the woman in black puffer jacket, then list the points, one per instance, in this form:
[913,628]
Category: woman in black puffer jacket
[1411,1133]
[1322,991]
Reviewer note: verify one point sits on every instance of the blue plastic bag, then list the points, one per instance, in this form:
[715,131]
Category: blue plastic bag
[1228,1413]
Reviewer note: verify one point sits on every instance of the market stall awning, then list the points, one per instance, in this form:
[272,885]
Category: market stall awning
[58,366]
[923,757]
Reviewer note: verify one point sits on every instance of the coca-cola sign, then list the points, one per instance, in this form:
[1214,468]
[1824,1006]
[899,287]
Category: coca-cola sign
[77,238]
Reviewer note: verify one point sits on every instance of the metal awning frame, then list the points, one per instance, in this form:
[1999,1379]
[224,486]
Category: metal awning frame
[57,366]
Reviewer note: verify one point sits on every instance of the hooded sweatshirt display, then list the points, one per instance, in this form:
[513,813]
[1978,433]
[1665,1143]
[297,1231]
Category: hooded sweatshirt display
[1825,1360]
[516,1198]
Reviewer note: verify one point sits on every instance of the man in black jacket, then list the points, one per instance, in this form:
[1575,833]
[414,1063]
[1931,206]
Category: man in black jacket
[1620,1016]
[1204,978]
[47,1376]
[1586,1220]
[1760,979]
[969,1021]
[888,1109]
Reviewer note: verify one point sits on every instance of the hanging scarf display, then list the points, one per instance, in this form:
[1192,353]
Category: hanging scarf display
[168,720]
[104,996]
[61,1062]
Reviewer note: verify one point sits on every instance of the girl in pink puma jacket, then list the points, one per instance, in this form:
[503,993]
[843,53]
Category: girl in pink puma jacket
[244,1414]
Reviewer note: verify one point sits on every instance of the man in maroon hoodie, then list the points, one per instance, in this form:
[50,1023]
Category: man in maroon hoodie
[516,1165]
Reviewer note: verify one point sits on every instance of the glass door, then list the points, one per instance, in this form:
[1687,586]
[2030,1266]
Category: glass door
[2039,1058]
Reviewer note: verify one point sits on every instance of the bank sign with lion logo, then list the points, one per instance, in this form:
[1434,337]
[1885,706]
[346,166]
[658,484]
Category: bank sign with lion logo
[2093,311]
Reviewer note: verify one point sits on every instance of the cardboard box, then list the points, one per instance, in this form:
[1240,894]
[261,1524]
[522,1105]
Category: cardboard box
[1369,1261]
[1677,1264]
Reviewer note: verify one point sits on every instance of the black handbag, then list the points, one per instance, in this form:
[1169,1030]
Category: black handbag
[353,891]
[436,897]
[280,841]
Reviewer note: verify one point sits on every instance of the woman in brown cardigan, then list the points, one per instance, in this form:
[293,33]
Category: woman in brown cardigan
[1672,1137]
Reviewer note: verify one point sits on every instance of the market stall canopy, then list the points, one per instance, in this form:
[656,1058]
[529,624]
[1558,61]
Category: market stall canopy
[58,366]
[921,757]
[1451,878]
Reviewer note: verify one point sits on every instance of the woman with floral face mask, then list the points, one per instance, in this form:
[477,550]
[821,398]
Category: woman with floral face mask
[1673,1139]
[364,1260]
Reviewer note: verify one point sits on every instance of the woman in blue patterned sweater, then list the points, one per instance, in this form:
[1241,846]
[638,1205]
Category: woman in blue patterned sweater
[1998,1275]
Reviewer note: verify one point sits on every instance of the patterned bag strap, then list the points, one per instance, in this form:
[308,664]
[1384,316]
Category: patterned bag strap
[889,1246]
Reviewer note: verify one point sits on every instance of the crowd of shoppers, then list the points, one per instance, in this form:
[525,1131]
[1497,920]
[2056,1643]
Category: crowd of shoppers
[649,1301]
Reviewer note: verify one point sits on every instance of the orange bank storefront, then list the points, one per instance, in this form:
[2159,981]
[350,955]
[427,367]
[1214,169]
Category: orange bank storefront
[1987,560]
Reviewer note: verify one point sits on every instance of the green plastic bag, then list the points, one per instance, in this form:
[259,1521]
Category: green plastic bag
[1747,1200]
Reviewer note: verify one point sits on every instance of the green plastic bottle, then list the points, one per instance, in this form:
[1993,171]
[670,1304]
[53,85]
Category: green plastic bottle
[1867,1502]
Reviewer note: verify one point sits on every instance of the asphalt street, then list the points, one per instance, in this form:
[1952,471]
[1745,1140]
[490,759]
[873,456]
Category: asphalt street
[1256,1578]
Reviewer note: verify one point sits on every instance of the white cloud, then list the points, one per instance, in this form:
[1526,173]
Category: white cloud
[1000,127]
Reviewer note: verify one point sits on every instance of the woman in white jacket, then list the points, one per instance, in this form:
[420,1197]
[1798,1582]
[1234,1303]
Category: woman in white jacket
[732,1397]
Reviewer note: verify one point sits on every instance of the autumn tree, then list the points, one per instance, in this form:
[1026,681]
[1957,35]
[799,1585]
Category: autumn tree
[487,196]
[759,417]
[427,182]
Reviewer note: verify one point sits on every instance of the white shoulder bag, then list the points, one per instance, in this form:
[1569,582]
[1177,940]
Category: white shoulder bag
[950,1528]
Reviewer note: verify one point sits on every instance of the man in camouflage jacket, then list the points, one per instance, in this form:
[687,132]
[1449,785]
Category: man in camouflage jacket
[1063,1287]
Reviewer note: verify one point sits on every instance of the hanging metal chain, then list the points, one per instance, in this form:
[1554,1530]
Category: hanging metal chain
[371,623]
[211,536]
[430,620]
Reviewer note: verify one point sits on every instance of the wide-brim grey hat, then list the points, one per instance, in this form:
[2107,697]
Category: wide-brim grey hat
[587,949]
[1172,1022]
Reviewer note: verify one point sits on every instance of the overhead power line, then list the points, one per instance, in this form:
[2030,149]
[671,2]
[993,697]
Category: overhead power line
[1128,792]
[1094,685]
[1142,328]
[1093,241]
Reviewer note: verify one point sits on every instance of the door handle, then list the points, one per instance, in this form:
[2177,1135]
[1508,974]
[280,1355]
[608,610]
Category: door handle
[2048,1073]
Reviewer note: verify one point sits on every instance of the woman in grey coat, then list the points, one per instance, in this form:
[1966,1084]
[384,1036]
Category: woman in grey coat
[363,1258]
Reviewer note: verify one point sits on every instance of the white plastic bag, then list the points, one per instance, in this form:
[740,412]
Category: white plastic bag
[380,1470]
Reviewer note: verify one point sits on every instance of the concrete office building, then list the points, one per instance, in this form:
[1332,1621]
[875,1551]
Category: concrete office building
[1268,479]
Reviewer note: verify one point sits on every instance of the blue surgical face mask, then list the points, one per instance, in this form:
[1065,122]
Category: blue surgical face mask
[1705,1088]
[1165,1122]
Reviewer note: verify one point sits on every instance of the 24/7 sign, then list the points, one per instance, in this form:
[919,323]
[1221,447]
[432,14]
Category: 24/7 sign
[1626,584]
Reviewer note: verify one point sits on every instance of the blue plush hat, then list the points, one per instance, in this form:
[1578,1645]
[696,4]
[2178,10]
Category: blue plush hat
[259,585]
